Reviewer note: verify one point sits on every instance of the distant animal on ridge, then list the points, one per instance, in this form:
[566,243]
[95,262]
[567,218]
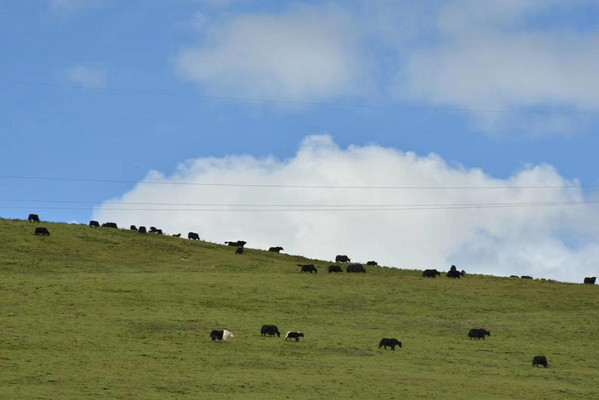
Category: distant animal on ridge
[33,218]
[430,273]
[142,229]
[193,236]
[294,335]
[133,228]
[94,224]
[276,249]
[391,342]
[526,277]
[335,268]
[220,335]
[355,268]
[590,280]
[270,330]
[308,268]
[372,263]
[239,243]
[176,235]
[342,258]
[109,225]
[540,360]
[41,231]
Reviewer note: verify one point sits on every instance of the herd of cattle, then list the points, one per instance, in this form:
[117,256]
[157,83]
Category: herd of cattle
[272,330]
[308,268]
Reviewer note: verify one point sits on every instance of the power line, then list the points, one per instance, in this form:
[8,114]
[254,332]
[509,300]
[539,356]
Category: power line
[328,208]
[294,102]
[259,185]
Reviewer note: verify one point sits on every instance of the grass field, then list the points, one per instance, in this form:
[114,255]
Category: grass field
[111,314]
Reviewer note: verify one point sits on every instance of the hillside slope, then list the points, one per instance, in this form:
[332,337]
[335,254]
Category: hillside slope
[105,313]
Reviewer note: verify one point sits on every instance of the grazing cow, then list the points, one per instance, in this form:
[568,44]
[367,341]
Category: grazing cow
[193,236]
[220,335]
[455,274]
[355,268]
[41,231]
[372,263]
[430,273]
[526,277]
[590,280]
[540,360]
[152,229]
[133,228]
[270,330]
[158,231]
[142,229]
[478,333]
[177,235]
[334,268]
[239,250]
[342,258]
[308,268]
[391,342]
[239,243]
[275,249]
[109,225]
[94,224]
[33,218]
[514,276]
[294,335]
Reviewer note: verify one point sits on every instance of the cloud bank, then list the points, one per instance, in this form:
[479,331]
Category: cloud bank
[523,64]
[554,242]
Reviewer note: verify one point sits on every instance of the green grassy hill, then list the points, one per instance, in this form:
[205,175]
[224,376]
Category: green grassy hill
[102,313]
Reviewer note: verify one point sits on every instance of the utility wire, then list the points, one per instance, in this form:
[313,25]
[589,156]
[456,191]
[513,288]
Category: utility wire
[291,102]
[328,208]
[259,185]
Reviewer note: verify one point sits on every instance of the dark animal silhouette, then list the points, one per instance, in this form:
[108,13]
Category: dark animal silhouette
[430,273]
[355,268]
[142,229]
[239,250]
[342,258]
[109,225]
[540,360]
[478,333]
[33,218]
[308,268]
[158,231]
[220,334]
[41,231]
[334,268]
[239,243]
[294,335]
[193,236]
[391,342]
[590,280]
[275,249]
[177,235]
[514,276]
[526,277]
[94,224]
[270,330]
[372,263]
[455,274]
[133,228]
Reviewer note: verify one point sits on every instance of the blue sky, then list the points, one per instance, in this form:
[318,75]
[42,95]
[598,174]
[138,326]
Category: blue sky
[244,91]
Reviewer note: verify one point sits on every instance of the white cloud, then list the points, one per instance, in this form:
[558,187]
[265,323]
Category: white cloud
[492,56]
[305,53]
[87,76]
[500,241]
